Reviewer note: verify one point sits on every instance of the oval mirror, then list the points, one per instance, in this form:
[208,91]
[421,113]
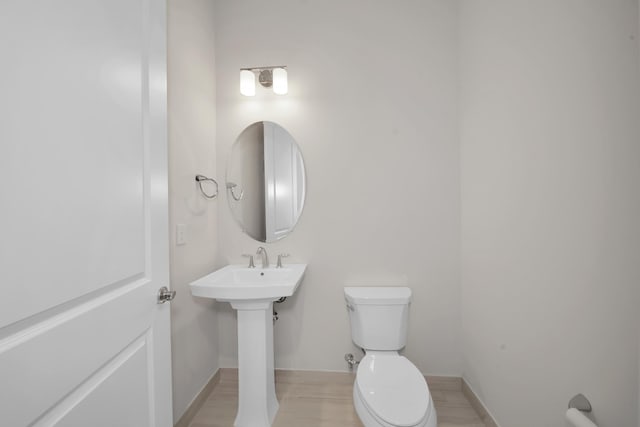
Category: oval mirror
[266,181]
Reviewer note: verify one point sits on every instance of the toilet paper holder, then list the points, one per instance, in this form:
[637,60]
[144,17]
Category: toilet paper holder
[580,402]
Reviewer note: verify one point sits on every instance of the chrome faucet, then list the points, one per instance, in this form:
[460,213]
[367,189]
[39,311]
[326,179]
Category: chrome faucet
[265,258]
[279,264]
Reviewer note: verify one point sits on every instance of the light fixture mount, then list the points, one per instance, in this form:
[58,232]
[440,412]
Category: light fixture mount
[269,77]
[265,77]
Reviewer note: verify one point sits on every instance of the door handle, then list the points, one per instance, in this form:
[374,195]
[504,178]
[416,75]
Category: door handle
[165,295]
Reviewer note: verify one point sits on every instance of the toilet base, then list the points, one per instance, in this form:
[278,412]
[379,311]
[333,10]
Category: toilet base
[368,420]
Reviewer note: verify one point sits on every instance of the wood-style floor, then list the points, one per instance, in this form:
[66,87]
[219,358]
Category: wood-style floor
[324,399]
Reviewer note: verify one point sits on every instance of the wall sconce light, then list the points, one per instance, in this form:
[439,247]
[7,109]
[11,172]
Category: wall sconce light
[275,77]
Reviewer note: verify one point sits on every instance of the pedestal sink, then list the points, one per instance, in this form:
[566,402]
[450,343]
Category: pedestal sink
[252,292]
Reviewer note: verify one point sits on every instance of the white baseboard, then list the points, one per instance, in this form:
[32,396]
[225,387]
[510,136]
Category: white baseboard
[478,405]
[198,401]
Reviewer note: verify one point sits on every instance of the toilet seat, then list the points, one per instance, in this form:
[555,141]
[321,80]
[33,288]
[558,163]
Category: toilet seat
[393,390]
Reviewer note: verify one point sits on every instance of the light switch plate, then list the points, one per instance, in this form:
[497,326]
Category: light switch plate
[181,234]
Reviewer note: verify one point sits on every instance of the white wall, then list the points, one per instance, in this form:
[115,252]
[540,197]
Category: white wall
[550,205]
[372,104]
[192,126]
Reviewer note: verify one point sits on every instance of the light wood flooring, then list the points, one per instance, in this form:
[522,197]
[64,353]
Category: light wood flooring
[324,399]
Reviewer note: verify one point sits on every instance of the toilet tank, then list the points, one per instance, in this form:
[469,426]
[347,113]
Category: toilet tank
[379,316]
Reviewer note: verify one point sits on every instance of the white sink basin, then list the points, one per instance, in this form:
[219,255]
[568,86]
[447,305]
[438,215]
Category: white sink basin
[240,283]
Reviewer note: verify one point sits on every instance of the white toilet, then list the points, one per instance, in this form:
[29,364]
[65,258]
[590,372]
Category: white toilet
[389,390]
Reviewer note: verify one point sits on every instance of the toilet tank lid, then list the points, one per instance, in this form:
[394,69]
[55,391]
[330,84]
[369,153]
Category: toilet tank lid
[377,295]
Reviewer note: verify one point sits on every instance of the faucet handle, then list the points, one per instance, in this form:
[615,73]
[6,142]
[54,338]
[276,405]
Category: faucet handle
[280,256]
[251,264]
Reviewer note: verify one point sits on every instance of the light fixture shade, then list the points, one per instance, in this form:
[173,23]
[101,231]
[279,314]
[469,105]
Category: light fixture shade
[247,83]
[280,84]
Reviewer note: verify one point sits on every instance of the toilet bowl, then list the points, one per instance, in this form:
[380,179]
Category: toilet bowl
[389,391]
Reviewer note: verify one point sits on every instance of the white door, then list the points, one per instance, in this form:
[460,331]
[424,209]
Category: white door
[284,181]
[83,210]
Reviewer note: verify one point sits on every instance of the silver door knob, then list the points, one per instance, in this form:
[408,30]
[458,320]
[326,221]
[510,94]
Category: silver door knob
[165,295]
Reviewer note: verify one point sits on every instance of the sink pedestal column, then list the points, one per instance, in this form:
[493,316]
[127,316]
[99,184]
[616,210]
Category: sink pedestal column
[257,402]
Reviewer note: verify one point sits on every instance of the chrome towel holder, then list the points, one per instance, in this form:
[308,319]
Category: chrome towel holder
[199,179]
[231,186]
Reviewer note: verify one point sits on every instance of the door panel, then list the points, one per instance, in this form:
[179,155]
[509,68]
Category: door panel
[48,360]
[96,398]
[71,156]
[83,193]
[282,173]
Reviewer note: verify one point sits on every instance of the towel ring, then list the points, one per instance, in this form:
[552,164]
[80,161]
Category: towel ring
[230,187]
[199,179]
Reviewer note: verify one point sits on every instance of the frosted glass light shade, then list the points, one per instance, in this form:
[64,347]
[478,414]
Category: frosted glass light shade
[280,84]
[247,83]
